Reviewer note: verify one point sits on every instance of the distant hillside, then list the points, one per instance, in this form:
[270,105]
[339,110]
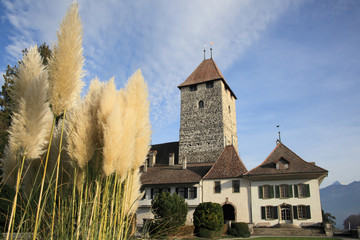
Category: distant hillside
[341,200]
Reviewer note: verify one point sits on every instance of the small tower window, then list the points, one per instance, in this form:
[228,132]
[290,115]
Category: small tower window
[229,109]
[201,104]
[210,84]
[193,88]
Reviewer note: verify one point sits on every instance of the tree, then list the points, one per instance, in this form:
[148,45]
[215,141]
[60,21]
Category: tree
[5,99]
[208,219]
[170,213]
[328,218]
[354,221]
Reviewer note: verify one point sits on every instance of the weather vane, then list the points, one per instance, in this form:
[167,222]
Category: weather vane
[211,44]
[278,140]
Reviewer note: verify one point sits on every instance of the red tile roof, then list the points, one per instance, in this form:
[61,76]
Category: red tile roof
[296,164]
[205,72]
[164,174]
[228,165]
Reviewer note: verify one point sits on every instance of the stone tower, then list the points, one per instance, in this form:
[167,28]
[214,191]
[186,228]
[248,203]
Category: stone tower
[208,115]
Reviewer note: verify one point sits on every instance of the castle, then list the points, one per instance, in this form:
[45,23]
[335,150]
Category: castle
[204,166]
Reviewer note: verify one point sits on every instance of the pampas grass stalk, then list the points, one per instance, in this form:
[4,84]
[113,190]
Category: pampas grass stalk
[57,175]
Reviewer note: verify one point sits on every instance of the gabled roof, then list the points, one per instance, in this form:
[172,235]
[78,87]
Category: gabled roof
[175,174]
[207,71]
[228,165]
[296,164]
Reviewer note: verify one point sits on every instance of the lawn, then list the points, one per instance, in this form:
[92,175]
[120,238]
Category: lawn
[294,238]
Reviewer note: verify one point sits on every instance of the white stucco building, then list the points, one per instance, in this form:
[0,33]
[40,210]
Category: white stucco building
[205,166]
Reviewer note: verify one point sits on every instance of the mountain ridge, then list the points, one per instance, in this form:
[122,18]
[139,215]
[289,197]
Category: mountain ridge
[341,200]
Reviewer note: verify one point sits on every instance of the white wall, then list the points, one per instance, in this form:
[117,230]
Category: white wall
[313,201]
[238,200]
[144,210]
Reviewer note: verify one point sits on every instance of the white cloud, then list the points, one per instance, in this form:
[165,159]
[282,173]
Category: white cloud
[162,38]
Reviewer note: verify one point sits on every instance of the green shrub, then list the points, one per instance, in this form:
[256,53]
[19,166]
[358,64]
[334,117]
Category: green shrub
[239,229]
[170,213]
[208,216]
[206,233]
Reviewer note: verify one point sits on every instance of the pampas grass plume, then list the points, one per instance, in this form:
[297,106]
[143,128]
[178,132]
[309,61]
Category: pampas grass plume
[137,98]
[31,67]
[65,65]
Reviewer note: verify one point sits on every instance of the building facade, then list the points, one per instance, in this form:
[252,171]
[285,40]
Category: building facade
[204,166]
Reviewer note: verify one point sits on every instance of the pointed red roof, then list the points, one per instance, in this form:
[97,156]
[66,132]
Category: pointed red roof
[228,165]
[296,164]
[205,72]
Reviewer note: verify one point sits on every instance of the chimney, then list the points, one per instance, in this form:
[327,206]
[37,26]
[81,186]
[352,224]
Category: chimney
[145,166]
[184,163]
[152,158]
[171,159]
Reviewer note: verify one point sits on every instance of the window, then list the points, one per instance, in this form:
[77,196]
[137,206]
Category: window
[236,186]
[201,104]
[192,192]
[229,109]
[301,212]
[187,193]
[155,191]
[284,191]
[302,190]
[266,191]
[193,88]
[269,212]
[217,187]
[210,84]
[182,192]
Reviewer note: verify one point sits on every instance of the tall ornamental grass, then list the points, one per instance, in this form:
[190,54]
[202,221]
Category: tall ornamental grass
[74,162]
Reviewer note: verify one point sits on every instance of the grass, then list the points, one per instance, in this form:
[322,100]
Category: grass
[266,238]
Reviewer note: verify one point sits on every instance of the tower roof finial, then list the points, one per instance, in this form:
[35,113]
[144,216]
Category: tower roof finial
[211,49]
[204,51]
[278,140]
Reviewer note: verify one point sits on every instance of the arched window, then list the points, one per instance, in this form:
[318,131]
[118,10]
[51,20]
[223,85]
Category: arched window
[201,104]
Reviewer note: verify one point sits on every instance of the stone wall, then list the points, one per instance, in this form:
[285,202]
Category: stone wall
[202,130]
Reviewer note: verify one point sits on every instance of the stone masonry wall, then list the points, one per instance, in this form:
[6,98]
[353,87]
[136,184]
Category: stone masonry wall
[202,130]
[229,118]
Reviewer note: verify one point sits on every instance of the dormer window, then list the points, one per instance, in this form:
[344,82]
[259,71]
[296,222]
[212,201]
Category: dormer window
[282,164]
[201,104]
[193,88]
[210,84]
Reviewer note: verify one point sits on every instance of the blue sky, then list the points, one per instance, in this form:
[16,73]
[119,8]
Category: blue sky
[290,63]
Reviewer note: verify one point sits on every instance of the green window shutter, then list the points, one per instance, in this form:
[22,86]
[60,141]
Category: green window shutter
[308,212]
[307,190]
[263,213]
[152,193]
[296,190]
[186,193]
[195,192]
[295,212]
[260,192]
[290,191]
[277,191]
[275,212]
[177,191]
[271,191]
